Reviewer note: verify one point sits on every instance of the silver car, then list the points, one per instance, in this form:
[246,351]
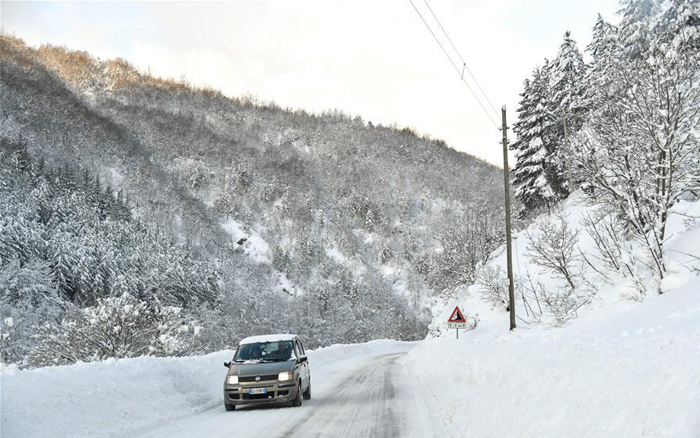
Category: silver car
[267,369]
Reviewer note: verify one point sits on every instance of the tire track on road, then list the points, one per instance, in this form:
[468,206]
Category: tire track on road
[366,404]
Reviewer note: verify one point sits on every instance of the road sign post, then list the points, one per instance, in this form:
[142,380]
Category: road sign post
[457,320]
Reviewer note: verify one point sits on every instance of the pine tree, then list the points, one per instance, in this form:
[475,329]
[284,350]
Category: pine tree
[566,75]
[604,43]
[530,178]
[121,210]
[22,159]
[599,82]
[680,26]
[634,27]
[567,71]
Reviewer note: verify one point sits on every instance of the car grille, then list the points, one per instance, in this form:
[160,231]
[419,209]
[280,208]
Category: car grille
[262,378]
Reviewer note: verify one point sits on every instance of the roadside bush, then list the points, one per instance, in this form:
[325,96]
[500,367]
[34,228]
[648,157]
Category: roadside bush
[117,327]
[554,249]
[493,286]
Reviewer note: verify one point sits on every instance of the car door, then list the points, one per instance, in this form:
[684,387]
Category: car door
[308,366]
[304,366]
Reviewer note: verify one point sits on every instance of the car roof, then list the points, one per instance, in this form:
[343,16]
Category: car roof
[267,338]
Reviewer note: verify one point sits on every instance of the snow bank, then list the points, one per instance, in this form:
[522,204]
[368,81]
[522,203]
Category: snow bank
[633,374]
[121,397]
[108,398]
[327,355]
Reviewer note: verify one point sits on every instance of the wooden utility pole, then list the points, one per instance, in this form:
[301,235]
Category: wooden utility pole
[509,249]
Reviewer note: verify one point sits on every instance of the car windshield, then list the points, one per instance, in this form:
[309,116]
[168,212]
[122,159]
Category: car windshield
[264,352]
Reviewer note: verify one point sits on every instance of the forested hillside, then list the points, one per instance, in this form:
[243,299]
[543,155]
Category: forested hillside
[123,191]
[622,133]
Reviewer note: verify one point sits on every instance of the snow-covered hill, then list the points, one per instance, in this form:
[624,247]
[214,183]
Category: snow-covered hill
[265,197]
[599,291]
[618,368]
[630,373]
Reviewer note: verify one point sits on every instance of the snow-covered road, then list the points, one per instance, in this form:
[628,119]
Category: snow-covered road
[359,390]
[369,397]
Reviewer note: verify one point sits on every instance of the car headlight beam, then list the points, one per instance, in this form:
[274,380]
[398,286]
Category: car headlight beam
[284,376]
[232,380]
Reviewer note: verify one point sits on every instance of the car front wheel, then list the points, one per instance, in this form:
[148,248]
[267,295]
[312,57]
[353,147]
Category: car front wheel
[297,400]
[307,393]
[229,407]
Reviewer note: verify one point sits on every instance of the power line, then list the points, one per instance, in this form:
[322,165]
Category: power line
[449,58]
[464,63]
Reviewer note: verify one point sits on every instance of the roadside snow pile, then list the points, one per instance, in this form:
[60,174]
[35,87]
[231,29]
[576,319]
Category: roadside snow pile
[110,398]
[633,374]
[119,398]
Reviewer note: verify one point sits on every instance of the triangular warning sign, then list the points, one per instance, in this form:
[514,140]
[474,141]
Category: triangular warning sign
[457,316]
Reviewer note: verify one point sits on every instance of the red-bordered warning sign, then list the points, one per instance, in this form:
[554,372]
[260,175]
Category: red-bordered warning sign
[457,316]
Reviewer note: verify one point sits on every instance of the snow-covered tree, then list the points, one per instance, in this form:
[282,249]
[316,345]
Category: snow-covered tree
[566,111]
[28,298]
[116,327]
[639,149]
[599,81]
[553,247]
[552,107]
[531,177]
[635,33]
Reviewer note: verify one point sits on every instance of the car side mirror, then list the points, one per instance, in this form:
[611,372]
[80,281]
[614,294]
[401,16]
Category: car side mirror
[227,364]
[303,359]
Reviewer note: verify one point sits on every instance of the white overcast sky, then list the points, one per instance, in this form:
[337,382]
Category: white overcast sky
[375,59]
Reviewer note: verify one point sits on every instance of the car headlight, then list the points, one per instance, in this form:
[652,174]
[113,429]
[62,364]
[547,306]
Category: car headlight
[232,380]
[285,375]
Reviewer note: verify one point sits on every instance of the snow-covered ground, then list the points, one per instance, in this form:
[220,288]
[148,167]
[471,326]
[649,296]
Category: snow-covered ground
[251,241]
[621,368]
[112,398]
[132,396]
[366,393]
[631,374]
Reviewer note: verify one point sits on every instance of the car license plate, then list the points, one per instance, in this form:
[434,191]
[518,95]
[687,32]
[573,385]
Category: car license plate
[257,391]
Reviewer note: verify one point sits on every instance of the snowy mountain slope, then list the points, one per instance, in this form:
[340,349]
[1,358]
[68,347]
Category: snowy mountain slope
[602,295]
[618,368]
[294,185]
